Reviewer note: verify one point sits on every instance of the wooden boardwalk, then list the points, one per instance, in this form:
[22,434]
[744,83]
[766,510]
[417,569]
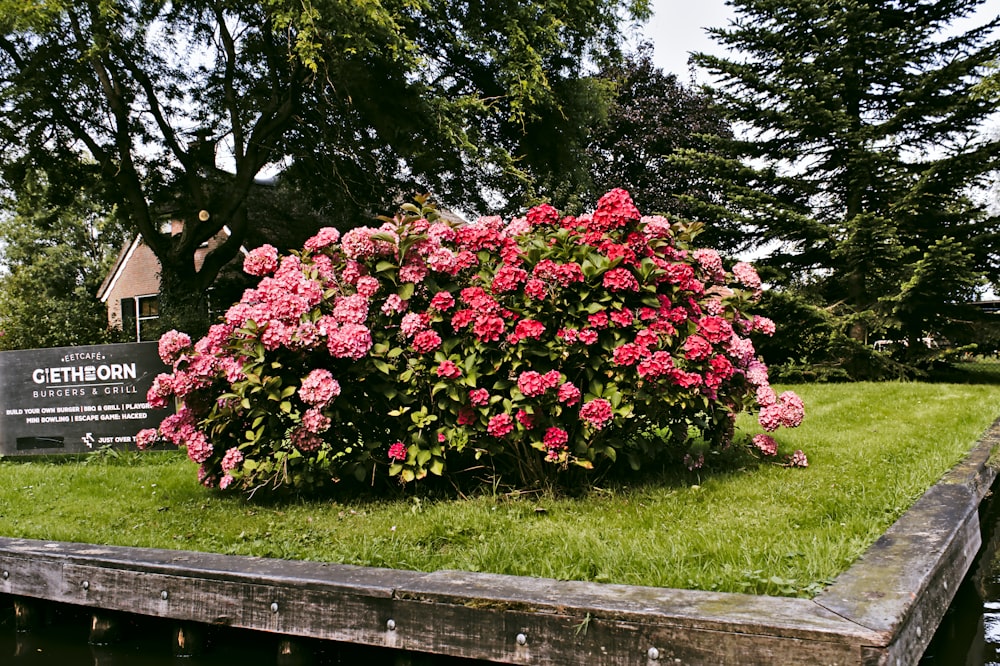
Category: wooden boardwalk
[883,610]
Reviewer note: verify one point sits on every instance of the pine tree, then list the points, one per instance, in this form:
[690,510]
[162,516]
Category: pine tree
[864,130]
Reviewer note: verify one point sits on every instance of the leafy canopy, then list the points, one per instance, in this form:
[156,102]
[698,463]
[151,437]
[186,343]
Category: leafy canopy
[182,105]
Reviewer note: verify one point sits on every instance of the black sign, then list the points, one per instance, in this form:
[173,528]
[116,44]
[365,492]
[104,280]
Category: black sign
[76,399]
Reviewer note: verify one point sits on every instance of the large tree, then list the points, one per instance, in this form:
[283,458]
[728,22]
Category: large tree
[183,104]
[865,137]
[653,118]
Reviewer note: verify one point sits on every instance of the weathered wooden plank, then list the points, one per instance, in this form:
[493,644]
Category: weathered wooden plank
[456,613]
[881,611]
[904,583]
[714,611]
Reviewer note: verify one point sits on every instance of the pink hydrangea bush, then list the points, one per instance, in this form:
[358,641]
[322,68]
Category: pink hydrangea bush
[543,343]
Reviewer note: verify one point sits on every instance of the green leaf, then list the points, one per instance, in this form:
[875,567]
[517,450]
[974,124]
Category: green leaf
[406,291]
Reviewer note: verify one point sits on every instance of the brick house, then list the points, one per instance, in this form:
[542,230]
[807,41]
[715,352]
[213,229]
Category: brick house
[132,287]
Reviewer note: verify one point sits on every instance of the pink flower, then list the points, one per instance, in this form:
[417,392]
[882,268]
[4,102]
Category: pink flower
[627,354]
[466,416]
[448,370]
[488,328]
[615,209]
[622,318]
[442,260]
[508,278]
[206,479]
[597,412]
[441,231]
[462,318]
[766,444]
[685,379]
[414,272]
[766,396]
[697,348]
[770,417]
[443,301]
[544,214]
[525,419]
[261,261]
[305,441]
[315,421]
[798,459]
[657,365]
[393,303]
[598,320]
[792,409]
[171,345]
[715,329]
[620,279]
[358,244]
[500,425]
[568,394]
[325,237]
[531,383]
[412,323]
[477,299]
[232,460]
[721,367]
[351,309]
[762,325]
[711,263]
[746,275]
[552,379]
[646,338]
[319,388]
[535,288]
[756,373]
[367,286]
[349,341]
[426,341]
[479,397]
[656,226]
[397,452]
[161,389]
[146,438]
[225,482]
[555,438]
[526,328]
[198,447]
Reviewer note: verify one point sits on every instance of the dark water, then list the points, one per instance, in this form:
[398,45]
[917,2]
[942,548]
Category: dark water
[969,635]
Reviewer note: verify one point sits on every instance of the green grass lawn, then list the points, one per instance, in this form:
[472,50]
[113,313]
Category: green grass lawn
[873,450]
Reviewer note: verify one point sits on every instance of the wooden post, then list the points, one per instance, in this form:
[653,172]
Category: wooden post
[189,639]
[105,629]
[294,653]
[28,614]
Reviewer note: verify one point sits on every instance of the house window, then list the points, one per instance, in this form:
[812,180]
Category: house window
[138,314]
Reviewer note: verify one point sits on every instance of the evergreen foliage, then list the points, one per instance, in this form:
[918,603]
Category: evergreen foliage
[864,127]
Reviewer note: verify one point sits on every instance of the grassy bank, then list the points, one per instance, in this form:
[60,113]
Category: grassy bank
[873,449]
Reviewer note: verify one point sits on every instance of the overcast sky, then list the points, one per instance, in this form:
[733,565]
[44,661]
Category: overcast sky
[678,27]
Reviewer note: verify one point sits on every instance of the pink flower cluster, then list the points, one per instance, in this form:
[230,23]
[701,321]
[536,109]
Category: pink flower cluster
[563,332]
[319,388]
